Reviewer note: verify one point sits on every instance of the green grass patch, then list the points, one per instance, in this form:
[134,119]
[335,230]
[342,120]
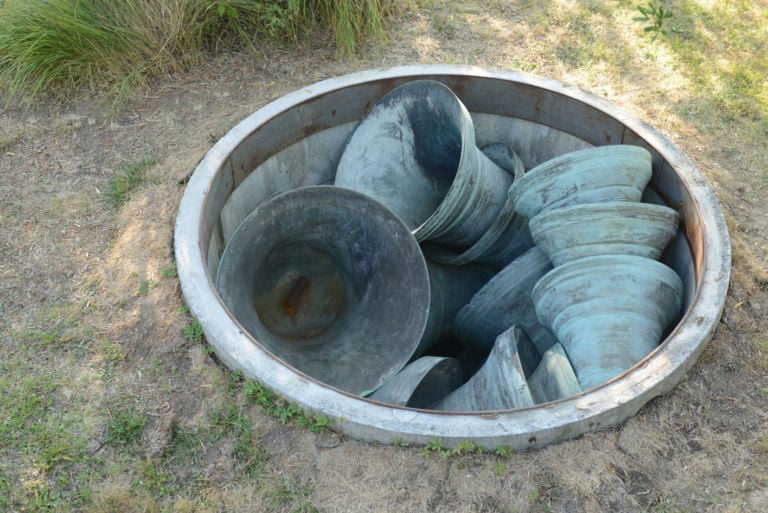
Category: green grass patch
[127,180]
[24,403]
[144,287]
[111,354]
[125,425]
[170,272]
[721,50]
[231,420]
[193,331]
[291,496]
[188,445]
[42,441]
[50,45]
[155,480]
[284,411]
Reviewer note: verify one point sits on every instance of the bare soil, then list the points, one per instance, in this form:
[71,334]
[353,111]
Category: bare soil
[92,275]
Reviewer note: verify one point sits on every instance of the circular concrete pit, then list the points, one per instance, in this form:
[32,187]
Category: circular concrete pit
[298,140]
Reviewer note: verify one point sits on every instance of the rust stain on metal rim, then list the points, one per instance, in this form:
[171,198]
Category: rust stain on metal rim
[548,107]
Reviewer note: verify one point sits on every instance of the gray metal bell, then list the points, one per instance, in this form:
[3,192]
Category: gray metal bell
[605,228]
[506,238]
[503,301]
[421,383]
[450,288]
[331,282]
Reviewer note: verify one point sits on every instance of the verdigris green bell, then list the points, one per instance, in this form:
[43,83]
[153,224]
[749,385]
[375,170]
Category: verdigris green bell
[499,384]
[331,282]
[608,311]
[554,377]
[602,173]
[414,151]
[607,228]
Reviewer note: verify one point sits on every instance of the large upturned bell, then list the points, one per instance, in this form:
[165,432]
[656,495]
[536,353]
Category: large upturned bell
[415,152]
[330,281]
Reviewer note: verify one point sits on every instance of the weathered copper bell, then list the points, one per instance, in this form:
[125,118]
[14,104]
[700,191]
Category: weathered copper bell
[415,152]
[608,311]
[500,384]
[602,173]
[605,228]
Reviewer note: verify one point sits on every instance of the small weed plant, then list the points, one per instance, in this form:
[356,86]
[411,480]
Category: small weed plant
[285,412]
[170,272]
[193,331]
[124,183]
[125,426]
[655,15]
[399,442]
[144,287]
[437,447]
[463,448]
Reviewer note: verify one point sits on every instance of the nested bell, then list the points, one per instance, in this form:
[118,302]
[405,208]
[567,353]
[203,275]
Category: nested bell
[608,311]
[506,238]
[609,228]
[602,173]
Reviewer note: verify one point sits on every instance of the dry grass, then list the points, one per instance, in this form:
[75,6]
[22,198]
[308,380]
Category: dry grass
[52,47]
[89,320]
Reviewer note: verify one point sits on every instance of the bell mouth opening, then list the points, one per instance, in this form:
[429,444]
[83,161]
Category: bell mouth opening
[298,140]
[328,281]
[301,295]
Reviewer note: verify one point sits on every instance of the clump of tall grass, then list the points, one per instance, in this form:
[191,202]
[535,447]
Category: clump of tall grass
[67,44]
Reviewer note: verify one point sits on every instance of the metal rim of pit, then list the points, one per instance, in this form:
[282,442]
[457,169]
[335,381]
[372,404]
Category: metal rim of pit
[519,429]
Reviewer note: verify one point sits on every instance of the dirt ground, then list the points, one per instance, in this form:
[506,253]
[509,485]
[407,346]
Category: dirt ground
[95,278]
